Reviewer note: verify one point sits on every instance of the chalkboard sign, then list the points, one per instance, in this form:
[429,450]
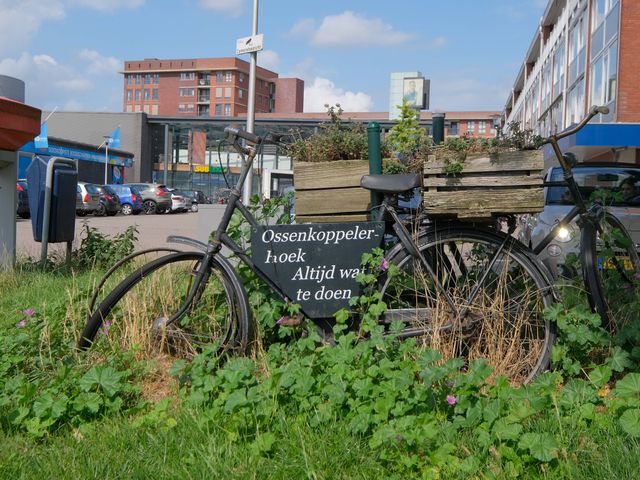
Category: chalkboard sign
[315,264]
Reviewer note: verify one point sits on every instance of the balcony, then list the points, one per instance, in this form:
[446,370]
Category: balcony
[204,82]
[204,99]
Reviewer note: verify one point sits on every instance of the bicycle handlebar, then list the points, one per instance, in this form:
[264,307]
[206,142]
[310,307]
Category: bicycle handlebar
[234,131]
[593,111]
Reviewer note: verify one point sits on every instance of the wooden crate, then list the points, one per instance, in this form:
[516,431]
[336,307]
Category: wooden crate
[330,191]
[508,182]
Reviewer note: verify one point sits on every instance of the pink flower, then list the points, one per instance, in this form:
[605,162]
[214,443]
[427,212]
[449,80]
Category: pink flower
[22,323]
[105,327]
[637,275]
[29,312]
[451,400]
[281,320]
[384,266]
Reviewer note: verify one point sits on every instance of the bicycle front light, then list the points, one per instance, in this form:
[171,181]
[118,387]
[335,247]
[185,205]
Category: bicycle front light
[565,234]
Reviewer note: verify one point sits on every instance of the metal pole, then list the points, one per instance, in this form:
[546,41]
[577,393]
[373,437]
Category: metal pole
[251,102]
[375,162]
[106,157]
[166,153]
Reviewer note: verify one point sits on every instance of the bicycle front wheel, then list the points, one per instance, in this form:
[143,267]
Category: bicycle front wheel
[611,267]
[498,293]
[136,313]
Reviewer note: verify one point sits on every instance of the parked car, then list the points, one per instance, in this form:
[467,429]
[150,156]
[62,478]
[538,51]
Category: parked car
[90,199]
[130,199]
[155,197]
[193,198]
[22,192]
[178,201]
[558,202]
[109,201]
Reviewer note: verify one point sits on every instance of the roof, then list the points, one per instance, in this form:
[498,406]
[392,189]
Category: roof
[19,123]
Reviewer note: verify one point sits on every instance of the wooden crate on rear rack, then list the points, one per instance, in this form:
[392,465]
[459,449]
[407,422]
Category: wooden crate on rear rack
[330,191]
[489,185]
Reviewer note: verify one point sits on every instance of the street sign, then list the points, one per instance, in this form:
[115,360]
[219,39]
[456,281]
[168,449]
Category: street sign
[315,264]
[249,44]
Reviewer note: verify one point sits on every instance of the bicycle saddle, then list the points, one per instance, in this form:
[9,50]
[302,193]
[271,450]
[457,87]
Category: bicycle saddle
[396,183]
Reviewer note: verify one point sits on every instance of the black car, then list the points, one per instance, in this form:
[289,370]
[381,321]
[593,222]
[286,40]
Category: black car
[22,192]
[194,198]
[109,201]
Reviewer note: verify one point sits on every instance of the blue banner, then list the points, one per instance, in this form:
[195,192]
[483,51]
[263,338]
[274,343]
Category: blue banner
[76,153]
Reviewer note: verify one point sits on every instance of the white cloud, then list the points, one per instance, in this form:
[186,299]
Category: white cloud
[98,63]
[233,8]
[323,91]
[21,20]
[302,28]
[47,83]
[268,59]
[350,29]
[437,42]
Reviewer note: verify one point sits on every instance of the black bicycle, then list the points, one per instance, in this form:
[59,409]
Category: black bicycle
[609,260]
[468,291]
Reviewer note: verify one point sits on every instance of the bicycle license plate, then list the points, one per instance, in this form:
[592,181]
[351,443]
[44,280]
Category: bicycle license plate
[625,262]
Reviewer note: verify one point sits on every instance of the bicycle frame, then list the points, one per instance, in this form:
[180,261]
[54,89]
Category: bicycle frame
[588,217]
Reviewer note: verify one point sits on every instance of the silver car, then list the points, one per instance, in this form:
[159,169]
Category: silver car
[87,199]
[622,181]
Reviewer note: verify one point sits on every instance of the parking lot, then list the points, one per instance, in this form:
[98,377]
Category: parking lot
[152,230]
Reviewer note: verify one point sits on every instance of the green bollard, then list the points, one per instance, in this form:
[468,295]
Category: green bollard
[438,127]
[375,162]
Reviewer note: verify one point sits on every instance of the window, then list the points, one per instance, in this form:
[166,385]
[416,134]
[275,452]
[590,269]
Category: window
[218,92]
[577,49]
[129,95]
[218,109]
[575,103]
[227,92]
[187,92]
[482,125]
[241,77]
[147,78]
[138,78]
[156,78]
[218,77]
[182,108]
[558,70]
[154,94]
[470,126]
[147,94]
[138,94]
[453,129]
[130,79]
[546,86]
[228,77]
[240,93]
[227,110]
[187,75]
[604,76]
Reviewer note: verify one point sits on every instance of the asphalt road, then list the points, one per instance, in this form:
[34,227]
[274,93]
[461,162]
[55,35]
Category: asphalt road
[152,230]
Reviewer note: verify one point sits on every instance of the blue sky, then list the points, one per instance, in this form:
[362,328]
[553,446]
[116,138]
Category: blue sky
[69,52]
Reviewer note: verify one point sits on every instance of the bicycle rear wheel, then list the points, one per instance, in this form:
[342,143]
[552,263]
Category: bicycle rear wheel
[610,267]
[135,313]
[504,323]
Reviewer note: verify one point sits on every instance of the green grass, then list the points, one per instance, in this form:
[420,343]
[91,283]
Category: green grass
[294,429]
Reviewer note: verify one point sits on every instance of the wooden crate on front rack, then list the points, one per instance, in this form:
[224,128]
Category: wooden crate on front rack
[330,191]
[489,185]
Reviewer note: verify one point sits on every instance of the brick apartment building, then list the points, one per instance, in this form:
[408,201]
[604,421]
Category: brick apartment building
[205,87]
[584,52]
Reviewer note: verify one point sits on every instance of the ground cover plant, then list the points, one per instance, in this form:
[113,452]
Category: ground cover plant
[298,407]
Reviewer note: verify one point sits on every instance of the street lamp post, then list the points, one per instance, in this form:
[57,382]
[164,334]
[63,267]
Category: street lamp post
[251,109]
[107,138]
